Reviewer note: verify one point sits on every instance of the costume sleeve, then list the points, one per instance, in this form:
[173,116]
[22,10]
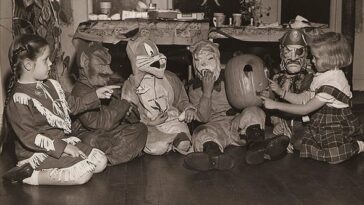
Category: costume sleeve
[128,92]
[78,104]
[180,101]
[108,116]
[202,103]
[21,118]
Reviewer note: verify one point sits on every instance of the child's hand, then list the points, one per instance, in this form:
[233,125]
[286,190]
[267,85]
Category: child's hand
[74,151]
[275,87]
[190,114]
[235,123]
[265,93]
[133,115]
[268,103]
[208,82]
[106,92]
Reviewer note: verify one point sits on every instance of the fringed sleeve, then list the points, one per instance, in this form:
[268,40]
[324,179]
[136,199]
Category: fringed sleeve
[21,119]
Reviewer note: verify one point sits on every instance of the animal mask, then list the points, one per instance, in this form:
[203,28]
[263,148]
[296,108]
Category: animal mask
[94,60]
[206,57]
[145,58]
[293,51]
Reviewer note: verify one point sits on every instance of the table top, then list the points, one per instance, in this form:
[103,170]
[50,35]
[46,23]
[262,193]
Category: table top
[163,32]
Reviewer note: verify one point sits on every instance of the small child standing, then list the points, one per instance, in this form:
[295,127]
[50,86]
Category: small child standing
[333,133]
[38,111]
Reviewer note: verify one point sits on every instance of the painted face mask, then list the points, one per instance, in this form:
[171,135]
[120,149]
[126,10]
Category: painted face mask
[206,57]
[97,70]
[293,51]
[145,57]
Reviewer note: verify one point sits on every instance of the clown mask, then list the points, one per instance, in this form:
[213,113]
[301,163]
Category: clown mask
[206,57]
[95,61]
[144,57]
[293,51]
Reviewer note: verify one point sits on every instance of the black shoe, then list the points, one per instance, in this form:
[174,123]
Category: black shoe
[17,174]
[200,161]
[270,149]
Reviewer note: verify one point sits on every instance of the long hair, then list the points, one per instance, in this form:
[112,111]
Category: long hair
[24,46]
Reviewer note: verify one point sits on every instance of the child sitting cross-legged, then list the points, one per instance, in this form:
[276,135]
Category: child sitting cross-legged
[38,111]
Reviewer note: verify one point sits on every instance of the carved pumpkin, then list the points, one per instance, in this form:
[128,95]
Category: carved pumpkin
[245,77]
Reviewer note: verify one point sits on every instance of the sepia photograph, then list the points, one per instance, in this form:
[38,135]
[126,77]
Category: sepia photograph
[181,102]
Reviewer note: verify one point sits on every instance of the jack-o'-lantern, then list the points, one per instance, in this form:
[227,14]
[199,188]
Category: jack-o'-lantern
[245,77]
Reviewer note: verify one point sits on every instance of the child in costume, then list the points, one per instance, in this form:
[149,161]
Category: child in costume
[221,129]
[295,77]
[333,133]
[38,111]
[113,127]
[161,99]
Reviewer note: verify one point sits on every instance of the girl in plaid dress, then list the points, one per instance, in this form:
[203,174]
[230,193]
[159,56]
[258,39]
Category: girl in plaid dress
[333,133]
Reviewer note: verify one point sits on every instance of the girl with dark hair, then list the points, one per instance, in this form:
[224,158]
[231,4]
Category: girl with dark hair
[37,109]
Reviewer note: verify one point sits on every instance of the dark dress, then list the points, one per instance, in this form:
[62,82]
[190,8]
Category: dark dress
[43,124]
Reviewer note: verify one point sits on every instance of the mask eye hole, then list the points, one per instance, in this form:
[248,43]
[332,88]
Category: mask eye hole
[149,49]
[299,51]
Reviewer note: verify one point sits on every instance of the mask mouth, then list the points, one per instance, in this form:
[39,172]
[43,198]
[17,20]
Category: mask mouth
[156,64]
[204,71]
[104,75]
[293,68]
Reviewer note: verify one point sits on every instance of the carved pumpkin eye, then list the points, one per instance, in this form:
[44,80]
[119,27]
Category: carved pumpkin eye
[149,49]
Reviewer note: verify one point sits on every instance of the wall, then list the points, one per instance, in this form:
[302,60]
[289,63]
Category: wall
[358,64]
[79,15]
[5,40]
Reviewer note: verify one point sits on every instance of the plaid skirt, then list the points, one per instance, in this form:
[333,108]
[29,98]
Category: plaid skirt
[331,135]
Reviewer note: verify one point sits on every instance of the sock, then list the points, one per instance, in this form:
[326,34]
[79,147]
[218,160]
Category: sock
[361,146]
[32,180]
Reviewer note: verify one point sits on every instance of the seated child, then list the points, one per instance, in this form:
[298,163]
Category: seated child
[295,76]
[333,133]
[222,127]
[38,111]
[113,127]
[161,99]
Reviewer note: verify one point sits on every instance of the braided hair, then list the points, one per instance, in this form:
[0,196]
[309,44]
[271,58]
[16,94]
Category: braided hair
[24,46]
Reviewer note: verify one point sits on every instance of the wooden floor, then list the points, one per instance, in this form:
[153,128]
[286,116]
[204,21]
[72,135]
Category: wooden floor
[162,180]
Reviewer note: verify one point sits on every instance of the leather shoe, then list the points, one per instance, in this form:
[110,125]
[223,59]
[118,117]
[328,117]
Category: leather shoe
[270,149]
[200,161]
[17,174]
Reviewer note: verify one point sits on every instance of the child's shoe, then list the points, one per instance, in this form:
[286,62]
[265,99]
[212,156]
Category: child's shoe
[270,149]
[200,161]
[182,143]
[17,174]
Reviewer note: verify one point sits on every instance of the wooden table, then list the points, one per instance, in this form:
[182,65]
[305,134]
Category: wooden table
[248,33]
[162,32]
